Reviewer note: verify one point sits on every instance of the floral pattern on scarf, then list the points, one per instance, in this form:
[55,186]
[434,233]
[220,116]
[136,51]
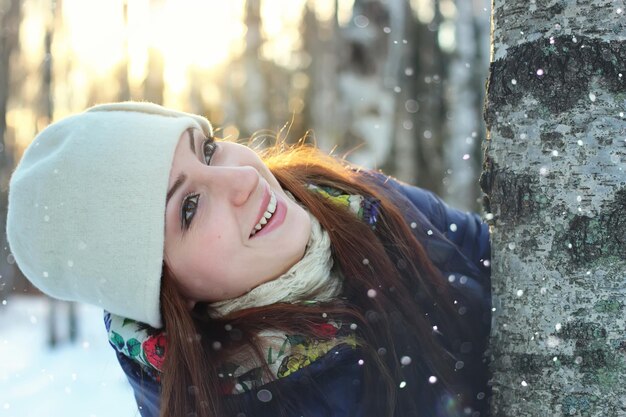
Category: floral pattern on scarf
[365,208]
[283,354]
[139,342]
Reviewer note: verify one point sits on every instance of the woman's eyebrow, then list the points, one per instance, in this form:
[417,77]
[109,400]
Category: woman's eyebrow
[182,177]
[179,181]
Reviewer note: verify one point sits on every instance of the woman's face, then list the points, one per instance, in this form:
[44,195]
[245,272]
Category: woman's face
[219,194]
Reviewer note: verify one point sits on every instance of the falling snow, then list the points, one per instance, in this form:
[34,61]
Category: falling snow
[264,395]
[361,21]
[411,106]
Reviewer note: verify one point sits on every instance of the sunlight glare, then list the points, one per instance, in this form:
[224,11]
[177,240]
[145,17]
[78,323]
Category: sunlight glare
[188,33]
[32,33]
[282,30]
[95,32]
[203,38]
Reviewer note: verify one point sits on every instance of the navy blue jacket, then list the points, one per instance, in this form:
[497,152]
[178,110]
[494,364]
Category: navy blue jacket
[458,244]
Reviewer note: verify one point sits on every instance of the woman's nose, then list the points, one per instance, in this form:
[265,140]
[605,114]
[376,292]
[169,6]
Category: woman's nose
[236,183]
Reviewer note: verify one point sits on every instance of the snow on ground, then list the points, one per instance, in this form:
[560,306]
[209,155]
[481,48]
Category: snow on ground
[72,380]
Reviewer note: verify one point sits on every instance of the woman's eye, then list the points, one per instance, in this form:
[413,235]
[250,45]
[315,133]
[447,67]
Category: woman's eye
[208,149]
[188,210]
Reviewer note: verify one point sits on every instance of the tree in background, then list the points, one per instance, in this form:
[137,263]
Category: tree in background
[399,87]
[555,174]
[10,19]
[466,74]
[154,83]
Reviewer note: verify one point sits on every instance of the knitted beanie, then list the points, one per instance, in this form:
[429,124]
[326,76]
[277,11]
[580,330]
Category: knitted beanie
[86,214]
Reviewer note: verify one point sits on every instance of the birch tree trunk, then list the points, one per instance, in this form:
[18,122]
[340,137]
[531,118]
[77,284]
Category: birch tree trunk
[555,175]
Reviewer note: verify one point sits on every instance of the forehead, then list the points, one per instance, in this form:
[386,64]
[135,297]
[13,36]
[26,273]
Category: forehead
[185,146]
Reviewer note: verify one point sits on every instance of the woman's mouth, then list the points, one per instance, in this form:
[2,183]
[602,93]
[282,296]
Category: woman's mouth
[267,215]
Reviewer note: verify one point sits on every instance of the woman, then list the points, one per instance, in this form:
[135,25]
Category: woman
[245,285]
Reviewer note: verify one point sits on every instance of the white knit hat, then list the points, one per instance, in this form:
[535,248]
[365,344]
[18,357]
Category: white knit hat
[86,215]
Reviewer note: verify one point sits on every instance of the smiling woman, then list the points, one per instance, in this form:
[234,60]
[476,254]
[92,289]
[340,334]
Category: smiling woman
[226,204]
[238,283]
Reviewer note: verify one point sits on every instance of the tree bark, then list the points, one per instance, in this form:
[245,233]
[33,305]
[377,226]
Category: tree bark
[555,176]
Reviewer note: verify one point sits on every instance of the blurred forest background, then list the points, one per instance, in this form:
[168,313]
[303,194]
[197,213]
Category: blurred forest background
[391,84]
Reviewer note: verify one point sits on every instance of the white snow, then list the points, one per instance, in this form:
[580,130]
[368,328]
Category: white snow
[73,380]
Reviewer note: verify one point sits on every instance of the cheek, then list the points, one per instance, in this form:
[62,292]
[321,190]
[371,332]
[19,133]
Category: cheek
[208,264]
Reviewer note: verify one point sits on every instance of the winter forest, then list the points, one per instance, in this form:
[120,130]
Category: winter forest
[511,108]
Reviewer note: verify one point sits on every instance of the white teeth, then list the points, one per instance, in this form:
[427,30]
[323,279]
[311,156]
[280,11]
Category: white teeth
[269,211]
[272,206]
